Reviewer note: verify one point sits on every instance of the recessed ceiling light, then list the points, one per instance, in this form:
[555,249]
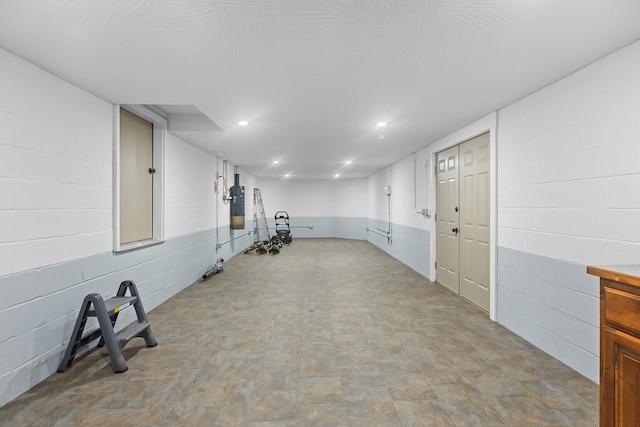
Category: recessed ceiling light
[382,136]
[348,162]
[381,124]
[275,162]
[287,175]
[336,175]
[243,123]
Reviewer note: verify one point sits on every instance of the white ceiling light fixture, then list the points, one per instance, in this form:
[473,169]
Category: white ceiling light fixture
[348,162]
[243,123]
[287,175]
[381,124]
[276,162]
[336,175]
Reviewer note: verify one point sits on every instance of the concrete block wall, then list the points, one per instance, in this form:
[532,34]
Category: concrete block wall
[350,228]
[553,304]
[410,235]
[56,236]
[55,209]
[335,208]
[569,165]
[323,226]
[189,189]
[55,169]
[409,245]
[349,198]
[38,319]
[408,182]
[377,201]
[338,227]
[568,180]
[313,198]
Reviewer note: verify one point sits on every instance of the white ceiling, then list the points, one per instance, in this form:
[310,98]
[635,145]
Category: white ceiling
[314,76]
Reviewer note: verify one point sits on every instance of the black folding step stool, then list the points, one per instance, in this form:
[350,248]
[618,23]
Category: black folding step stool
[107,313]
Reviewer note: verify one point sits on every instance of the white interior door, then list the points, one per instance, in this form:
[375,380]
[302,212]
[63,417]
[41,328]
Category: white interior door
[474,220]
[462,220]
[447,219]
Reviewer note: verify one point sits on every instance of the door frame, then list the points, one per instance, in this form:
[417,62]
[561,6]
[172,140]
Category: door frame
[489,124]
[159,130]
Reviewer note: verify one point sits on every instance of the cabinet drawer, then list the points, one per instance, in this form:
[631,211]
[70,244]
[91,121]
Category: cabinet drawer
[622,309]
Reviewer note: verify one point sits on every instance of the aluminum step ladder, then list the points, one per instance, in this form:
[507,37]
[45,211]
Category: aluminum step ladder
[263,241]
[107,313]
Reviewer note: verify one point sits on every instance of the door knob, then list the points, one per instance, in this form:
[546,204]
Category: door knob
[455,230]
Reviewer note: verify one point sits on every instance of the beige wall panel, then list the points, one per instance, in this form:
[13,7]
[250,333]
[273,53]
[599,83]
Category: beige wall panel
[136,183]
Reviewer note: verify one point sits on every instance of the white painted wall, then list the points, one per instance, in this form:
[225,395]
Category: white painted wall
[315,198]
[408,193]
[55,169]
[318,208]
[278,194]
[568,186]
[56,219]
[569,166]
[190,203]
[55,206]
[299,198]
[190,197]
[378,204]
[350,198]
[408,181]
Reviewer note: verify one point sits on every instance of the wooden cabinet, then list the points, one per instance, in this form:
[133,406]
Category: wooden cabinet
[619,345]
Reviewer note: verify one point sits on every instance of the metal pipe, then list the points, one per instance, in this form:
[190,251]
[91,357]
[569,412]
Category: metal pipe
[219,245]
[384,231]
[310,227]
[389,204]
[415,183]
[378,233]
[217,188]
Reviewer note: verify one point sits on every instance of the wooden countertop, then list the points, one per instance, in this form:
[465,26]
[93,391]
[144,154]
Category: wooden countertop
[629,274]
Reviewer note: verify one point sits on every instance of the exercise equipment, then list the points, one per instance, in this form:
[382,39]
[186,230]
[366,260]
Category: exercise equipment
[107,313]
[283,229]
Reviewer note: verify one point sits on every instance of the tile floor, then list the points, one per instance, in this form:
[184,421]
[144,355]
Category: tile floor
[329,332]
